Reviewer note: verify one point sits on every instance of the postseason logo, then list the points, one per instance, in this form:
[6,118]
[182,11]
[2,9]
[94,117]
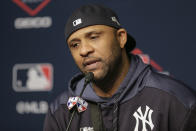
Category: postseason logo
[25,5]
[32,8]
[32,77]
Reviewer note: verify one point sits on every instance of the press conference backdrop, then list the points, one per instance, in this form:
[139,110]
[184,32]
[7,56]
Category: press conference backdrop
[36,64]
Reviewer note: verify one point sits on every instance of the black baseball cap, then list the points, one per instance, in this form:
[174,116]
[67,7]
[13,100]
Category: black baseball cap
[95,14]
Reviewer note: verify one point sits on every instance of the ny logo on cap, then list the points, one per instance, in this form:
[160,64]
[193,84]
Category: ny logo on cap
[77,22]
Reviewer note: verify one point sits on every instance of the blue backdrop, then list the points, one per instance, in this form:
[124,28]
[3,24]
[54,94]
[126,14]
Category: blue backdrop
[34,49]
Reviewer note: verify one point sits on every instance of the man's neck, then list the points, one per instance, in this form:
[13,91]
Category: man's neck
[109,86]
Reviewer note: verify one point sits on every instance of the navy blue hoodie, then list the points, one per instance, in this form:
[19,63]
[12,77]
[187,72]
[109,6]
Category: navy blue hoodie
[145,101]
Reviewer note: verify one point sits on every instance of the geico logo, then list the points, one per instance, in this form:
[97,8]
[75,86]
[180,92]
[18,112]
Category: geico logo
[31,1]
[33,107]
[33,22]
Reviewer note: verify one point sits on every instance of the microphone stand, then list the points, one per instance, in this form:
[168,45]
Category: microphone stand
[88,78]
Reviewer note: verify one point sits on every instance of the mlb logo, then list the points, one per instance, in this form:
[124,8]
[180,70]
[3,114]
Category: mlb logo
[32,77]
[77,22]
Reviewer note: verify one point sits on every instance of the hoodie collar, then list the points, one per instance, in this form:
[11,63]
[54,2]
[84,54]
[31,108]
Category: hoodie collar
[130,86]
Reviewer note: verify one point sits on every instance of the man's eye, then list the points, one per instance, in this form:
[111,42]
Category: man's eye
[74,45]
[94,37]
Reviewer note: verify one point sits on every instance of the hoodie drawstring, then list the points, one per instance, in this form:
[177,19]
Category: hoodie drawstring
[115,116]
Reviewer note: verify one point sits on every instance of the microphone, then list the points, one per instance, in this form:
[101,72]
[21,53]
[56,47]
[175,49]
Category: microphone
[88,78]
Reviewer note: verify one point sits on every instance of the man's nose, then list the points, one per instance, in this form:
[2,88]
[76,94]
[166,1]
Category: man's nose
[86,49]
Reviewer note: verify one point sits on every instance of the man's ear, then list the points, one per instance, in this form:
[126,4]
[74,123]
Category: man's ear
[122,37]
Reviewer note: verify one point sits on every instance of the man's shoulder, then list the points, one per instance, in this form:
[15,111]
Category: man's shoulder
[61,99]
[173,87]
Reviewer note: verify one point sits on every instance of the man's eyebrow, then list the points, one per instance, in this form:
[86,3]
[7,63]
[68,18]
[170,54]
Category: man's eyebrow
[74,39]
[93,32]
[86,35]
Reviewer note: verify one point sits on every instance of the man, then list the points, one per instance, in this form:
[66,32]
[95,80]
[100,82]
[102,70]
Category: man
[125,94]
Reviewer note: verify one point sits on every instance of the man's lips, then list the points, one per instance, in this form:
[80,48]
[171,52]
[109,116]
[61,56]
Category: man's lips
[91,63]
